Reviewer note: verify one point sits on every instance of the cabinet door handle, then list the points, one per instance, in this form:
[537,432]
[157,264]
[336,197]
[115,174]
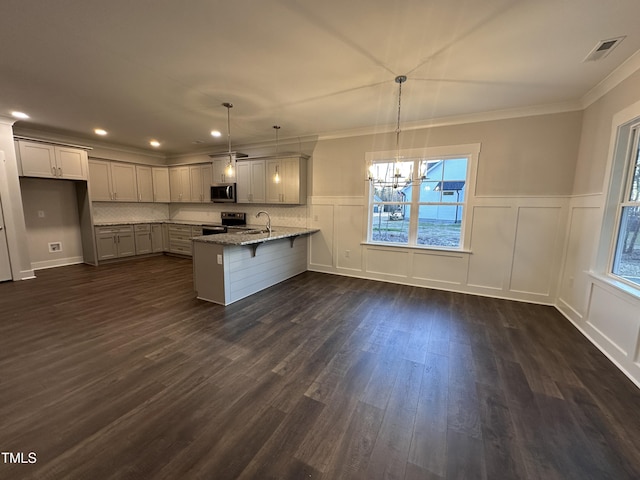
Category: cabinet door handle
[115,195]
[60,171]
[53,171]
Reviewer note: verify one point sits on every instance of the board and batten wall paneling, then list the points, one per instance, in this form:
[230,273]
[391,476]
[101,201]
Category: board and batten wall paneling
[535,257]
[388,263]
[614,318]
[580,244]
[516,246]
[349,222]
[492,232]
[321,243]
[441,269]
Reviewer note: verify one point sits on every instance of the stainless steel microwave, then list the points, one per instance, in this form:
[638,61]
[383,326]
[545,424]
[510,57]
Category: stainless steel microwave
[223,193]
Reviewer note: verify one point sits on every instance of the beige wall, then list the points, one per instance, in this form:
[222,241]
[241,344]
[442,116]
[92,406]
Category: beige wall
[596,135]
[57,200]
[529,156]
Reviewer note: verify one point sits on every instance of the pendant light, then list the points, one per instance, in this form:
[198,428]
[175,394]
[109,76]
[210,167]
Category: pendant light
[276,176]
[229,168]
[397,176]
[397,180]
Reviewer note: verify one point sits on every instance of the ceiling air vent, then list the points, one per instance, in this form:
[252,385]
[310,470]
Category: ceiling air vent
[602,49]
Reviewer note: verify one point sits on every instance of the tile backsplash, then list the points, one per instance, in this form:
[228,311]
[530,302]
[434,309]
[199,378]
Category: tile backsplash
[286,216]
[129,212]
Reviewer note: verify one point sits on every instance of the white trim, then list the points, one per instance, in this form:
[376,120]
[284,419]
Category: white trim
[62,262]
[615,78]
[469,150]
[617,287]
[529,111]
[401,247]
[612,359]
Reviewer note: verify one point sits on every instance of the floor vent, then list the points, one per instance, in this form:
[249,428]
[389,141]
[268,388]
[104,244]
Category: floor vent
[602,49]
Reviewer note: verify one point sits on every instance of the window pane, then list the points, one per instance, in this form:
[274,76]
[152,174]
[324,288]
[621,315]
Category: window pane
[439,225]
[430,192]
[635,180]
[627,261]
[390,223]
[455,169]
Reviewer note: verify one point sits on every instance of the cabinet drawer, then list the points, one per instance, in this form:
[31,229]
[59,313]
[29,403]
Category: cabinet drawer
[142,228]
[186,229]
[114,229]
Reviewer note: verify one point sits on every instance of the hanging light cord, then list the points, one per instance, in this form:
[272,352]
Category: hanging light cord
[276,128]
[229,107]
[400,79]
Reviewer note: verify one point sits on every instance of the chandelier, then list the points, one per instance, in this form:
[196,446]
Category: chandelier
[397,178]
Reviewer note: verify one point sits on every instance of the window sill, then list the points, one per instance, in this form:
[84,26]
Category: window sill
[612,282]
[417,247]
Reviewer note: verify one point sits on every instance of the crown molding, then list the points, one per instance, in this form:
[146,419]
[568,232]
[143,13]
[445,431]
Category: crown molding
[615,78]
[530,111]
[91,143]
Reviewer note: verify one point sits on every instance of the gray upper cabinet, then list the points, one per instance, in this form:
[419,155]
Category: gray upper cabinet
[251,181]
[221,173]
[144,181]
[112,181]
[286,180]
[51,161]
[180,184]
[200,177]
[161,192]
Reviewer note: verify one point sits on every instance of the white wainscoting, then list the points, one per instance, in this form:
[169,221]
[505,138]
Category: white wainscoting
[607,315]
[516,248]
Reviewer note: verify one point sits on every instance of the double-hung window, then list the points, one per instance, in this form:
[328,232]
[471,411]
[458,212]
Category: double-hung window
[419,197]
[626,257]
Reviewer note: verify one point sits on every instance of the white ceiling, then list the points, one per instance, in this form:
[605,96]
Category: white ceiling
[161,68]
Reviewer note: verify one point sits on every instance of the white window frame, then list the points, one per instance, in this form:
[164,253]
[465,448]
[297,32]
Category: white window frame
[469,151]
[631,136]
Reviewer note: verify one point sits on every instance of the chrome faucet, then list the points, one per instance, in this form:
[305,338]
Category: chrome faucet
[268,220]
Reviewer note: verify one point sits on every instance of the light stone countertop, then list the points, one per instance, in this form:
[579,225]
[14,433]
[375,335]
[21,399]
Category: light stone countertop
[145,222]
[244,238]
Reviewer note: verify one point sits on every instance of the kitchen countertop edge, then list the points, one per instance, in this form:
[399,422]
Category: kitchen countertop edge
[240,239]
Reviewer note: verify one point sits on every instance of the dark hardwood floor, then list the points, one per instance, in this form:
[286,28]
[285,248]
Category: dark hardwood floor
[119,372]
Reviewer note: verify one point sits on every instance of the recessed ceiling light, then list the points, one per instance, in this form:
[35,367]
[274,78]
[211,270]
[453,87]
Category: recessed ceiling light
[100,131]
[20,115]
[154,143]
[215,133]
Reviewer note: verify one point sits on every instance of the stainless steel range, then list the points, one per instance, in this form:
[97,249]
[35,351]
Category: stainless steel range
[228,219]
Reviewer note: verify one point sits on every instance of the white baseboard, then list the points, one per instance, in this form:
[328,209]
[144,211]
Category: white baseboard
[60,262]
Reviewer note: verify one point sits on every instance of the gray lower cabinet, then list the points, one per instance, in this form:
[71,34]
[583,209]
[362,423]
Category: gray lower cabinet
[143,239]
[158,241]
[180,238]
[119,241]
[115,242]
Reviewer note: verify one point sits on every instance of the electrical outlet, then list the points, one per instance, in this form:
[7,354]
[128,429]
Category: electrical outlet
[219,259]
[347,253]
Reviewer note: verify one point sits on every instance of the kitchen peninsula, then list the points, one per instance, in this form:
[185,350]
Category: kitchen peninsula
[231,266]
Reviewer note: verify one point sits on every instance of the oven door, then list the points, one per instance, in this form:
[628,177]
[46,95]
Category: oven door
[214,230]
[223,192]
